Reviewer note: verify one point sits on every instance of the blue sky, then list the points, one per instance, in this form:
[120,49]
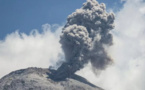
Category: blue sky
[25,15]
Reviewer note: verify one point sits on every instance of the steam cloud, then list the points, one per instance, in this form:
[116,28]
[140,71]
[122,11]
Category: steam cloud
[84,37]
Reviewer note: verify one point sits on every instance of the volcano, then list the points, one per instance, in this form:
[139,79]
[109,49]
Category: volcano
[39,79]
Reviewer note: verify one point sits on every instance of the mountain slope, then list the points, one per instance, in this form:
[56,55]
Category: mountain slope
[39,79]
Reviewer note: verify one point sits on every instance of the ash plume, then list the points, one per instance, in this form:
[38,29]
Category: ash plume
[84,36]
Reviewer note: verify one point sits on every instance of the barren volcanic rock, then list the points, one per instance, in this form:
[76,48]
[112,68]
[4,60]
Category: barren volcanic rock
[39,79]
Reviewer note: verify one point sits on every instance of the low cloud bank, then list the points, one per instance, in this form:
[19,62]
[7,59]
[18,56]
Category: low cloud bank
[20,50]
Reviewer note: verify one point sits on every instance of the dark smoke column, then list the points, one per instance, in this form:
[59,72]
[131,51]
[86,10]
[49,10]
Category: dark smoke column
[84,37]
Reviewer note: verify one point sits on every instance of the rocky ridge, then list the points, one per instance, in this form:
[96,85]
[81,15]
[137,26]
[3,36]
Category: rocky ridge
[39,79]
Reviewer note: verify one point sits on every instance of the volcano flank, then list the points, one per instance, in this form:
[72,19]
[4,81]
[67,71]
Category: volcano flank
[39,79]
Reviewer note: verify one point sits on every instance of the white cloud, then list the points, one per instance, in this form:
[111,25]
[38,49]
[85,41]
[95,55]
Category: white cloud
[128,51]
[142,10]
[20,50]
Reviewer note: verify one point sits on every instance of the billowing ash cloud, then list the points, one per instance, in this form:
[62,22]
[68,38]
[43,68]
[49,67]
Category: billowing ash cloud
[85,35]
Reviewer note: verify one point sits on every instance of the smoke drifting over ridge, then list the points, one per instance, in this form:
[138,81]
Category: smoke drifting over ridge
[84,37]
